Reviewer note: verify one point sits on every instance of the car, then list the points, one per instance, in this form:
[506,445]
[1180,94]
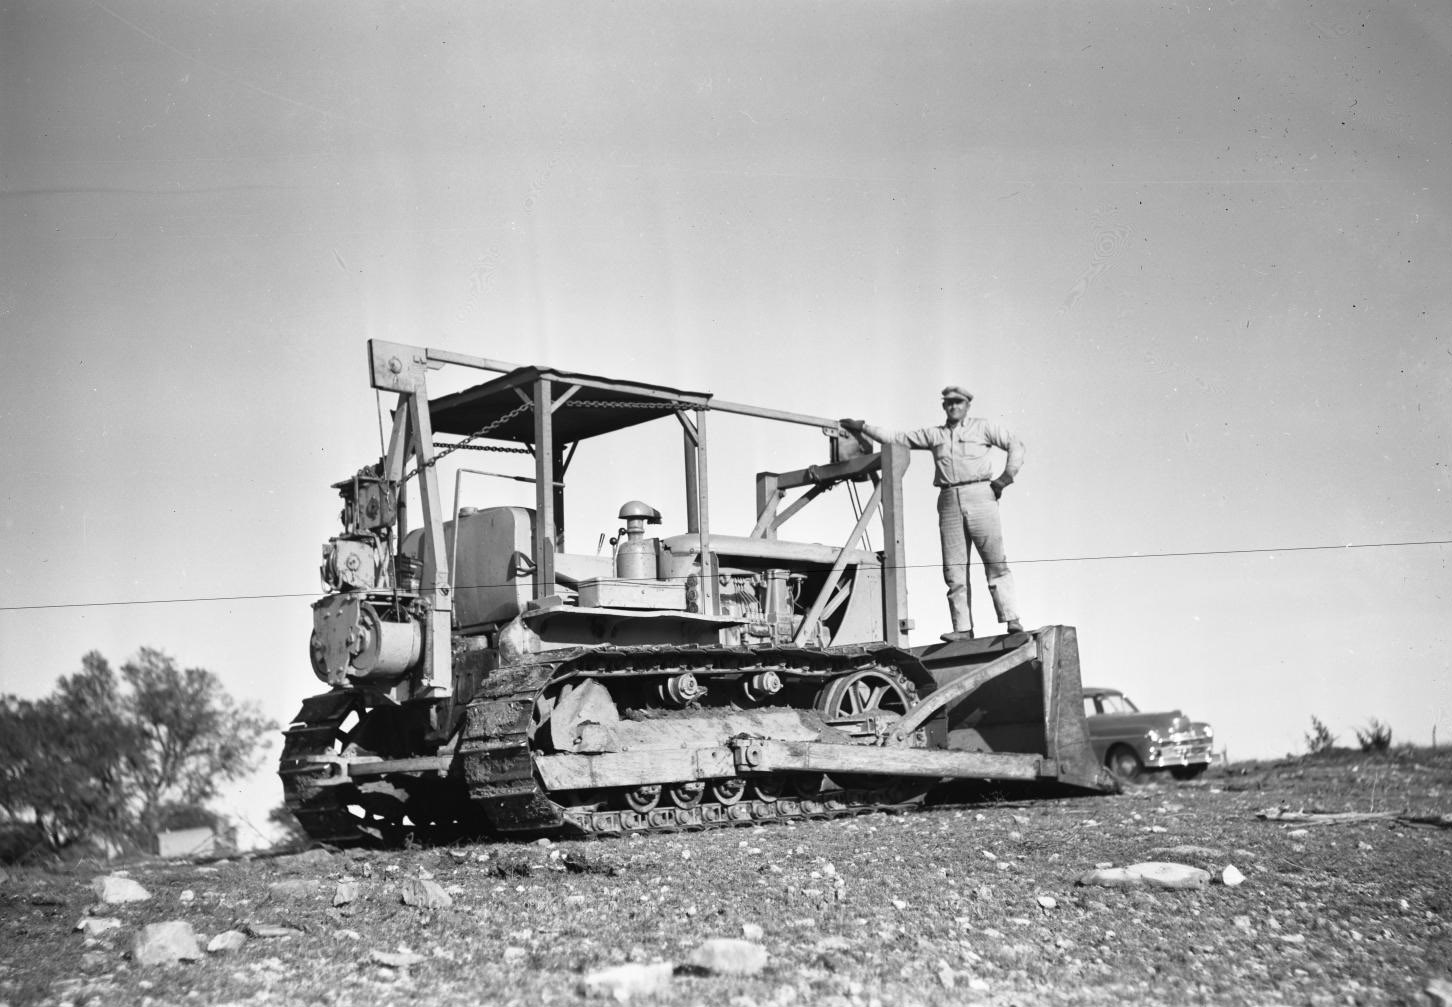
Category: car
[1131,743]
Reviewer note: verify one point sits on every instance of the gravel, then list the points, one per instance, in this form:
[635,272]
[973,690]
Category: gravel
[972,901]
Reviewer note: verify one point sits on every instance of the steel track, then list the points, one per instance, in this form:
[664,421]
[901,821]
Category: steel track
[493,764]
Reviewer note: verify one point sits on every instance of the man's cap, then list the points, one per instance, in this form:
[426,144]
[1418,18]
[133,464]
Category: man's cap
[957,392]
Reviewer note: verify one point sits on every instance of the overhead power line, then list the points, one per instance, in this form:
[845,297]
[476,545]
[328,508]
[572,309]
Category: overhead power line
[910,566]
[1238,552]
[158,601]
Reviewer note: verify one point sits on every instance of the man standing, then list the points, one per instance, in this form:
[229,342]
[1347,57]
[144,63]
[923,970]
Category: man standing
[967,501]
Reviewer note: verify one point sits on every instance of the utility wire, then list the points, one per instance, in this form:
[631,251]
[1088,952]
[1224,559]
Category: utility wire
[157,601]
[908,566]
[1240,552]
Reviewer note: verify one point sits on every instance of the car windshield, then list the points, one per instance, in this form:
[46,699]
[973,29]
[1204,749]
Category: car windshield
[1108,702]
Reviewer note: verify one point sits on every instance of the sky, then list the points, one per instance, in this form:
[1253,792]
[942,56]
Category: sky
[1195,256]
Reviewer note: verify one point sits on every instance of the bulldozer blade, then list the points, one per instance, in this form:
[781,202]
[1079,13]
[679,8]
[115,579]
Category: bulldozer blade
[1032,704]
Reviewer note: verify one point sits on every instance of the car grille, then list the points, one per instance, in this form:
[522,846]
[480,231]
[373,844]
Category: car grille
[1181,749]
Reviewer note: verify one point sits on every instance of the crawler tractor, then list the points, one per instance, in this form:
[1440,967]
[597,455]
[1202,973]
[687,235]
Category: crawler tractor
[482,678]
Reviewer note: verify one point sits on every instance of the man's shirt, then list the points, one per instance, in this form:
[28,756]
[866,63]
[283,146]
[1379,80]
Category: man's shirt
[961,453]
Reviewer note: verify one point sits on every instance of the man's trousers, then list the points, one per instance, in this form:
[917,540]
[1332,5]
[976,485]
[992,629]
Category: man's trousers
[969,513]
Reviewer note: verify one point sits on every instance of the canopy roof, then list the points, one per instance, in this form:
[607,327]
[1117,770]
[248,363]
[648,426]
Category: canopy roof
[586,405]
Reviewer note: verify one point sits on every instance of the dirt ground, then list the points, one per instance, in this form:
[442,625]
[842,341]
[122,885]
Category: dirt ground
[972,901]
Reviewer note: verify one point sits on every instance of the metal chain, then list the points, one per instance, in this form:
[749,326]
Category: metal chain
[466,442]
[676,407]
[462,446]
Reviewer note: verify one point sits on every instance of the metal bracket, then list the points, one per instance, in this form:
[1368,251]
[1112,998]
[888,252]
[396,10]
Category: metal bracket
[957,689]
[397,367]
[336,766]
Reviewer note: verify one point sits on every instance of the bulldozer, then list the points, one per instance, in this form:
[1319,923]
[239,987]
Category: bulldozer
[483,679]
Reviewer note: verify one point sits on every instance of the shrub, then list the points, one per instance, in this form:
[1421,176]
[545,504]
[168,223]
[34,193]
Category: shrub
[1376,738]
[1319,739]
[21,842]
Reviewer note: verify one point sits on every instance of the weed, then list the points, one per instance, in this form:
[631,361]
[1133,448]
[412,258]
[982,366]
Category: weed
[1320,739]
[1377,737]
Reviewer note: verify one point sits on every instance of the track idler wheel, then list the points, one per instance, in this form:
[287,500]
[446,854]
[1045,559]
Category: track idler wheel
[375,811]
[864,704]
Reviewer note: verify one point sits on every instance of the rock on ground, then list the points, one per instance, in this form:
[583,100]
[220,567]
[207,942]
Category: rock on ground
[426,894]
[625,981]
[1161,874]
[729,956]
[165,943]
[95,926]
[592,863]
[113,889]
[227,940]
[1156,874]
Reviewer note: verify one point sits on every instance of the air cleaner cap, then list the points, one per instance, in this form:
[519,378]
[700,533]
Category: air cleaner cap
[640,509]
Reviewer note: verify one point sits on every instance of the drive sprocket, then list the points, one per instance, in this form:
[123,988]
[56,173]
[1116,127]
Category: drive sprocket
[388,810]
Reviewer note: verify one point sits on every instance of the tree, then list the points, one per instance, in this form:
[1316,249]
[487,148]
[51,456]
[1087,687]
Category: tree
[56,800]
[62,758]
[113,757]
[193,737]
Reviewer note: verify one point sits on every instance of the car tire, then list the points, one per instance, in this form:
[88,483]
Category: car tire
[1124,762]
[1189,772]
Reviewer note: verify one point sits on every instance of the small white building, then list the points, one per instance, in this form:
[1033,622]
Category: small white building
[196,842]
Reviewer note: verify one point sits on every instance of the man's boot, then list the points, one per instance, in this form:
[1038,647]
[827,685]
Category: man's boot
[958,634]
